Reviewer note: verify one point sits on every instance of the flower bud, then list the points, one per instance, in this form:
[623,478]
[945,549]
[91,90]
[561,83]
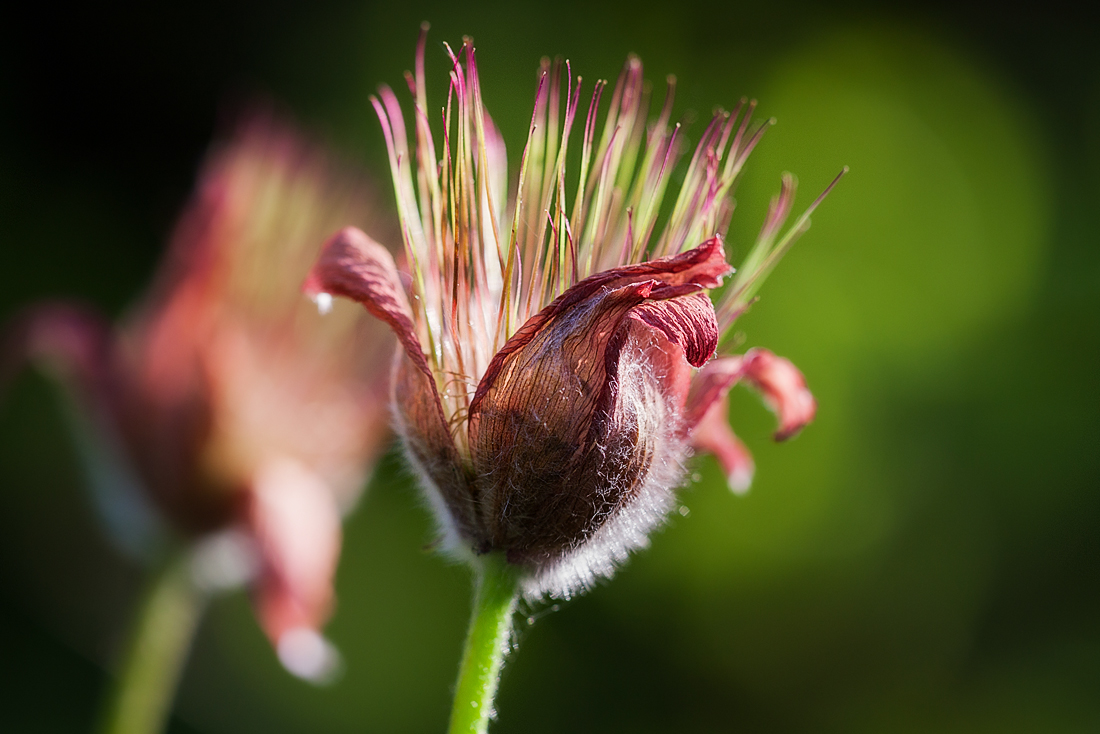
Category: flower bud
[555,371]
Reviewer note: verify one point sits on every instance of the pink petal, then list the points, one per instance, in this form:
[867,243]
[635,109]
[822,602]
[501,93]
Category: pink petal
[167,411]
[682,333]
[296,525]
[224,354]
[688,321]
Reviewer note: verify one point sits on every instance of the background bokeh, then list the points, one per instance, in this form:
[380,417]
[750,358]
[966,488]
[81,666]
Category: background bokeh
[924,557]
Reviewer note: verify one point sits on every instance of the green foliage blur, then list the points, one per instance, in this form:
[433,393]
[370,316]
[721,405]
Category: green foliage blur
[923,557]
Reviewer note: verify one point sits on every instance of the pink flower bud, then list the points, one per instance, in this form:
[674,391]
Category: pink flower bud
[548,390]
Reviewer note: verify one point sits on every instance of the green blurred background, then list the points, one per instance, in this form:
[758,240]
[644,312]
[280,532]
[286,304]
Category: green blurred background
[923,558]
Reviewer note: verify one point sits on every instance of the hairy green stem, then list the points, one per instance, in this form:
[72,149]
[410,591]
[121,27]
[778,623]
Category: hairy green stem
[141,697]
[486,643]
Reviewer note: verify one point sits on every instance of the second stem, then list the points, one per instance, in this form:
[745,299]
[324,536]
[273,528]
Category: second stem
[141,699]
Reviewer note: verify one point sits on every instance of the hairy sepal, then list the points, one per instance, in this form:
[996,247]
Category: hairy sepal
[355,266]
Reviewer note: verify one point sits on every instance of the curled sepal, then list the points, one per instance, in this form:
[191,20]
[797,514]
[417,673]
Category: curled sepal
[355,266]
[784,390]
[779,382]
[714,435]
[295,523]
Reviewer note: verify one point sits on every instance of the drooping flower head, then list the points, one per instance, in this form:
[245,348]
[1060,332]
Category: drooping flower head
[549,389]
[224,397]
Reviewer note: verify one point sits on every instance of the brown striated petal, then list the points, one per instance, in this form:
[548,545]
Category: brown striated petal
[779,382]
[538,431]
[556,451]
[295,522]
[558,379]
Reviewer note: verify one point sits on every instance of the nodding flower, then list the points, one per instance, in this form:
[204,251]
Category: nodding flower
[558,362]
[235,409]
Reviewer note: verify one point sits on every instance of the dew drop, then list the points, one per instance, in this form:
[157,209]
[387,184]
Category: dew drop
[324,302]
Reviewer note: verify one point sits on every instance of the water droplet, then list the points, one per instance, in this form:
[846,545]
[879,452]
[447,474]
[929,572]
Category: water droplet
[324,302]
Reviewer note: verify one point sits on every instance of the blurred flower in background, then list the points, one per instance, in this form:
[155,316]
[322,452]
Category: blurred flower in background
[224,413]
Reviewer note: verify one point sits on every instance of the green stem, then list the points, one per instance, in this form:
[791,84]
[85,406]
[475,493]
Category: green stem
[141,697]
[486,643]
